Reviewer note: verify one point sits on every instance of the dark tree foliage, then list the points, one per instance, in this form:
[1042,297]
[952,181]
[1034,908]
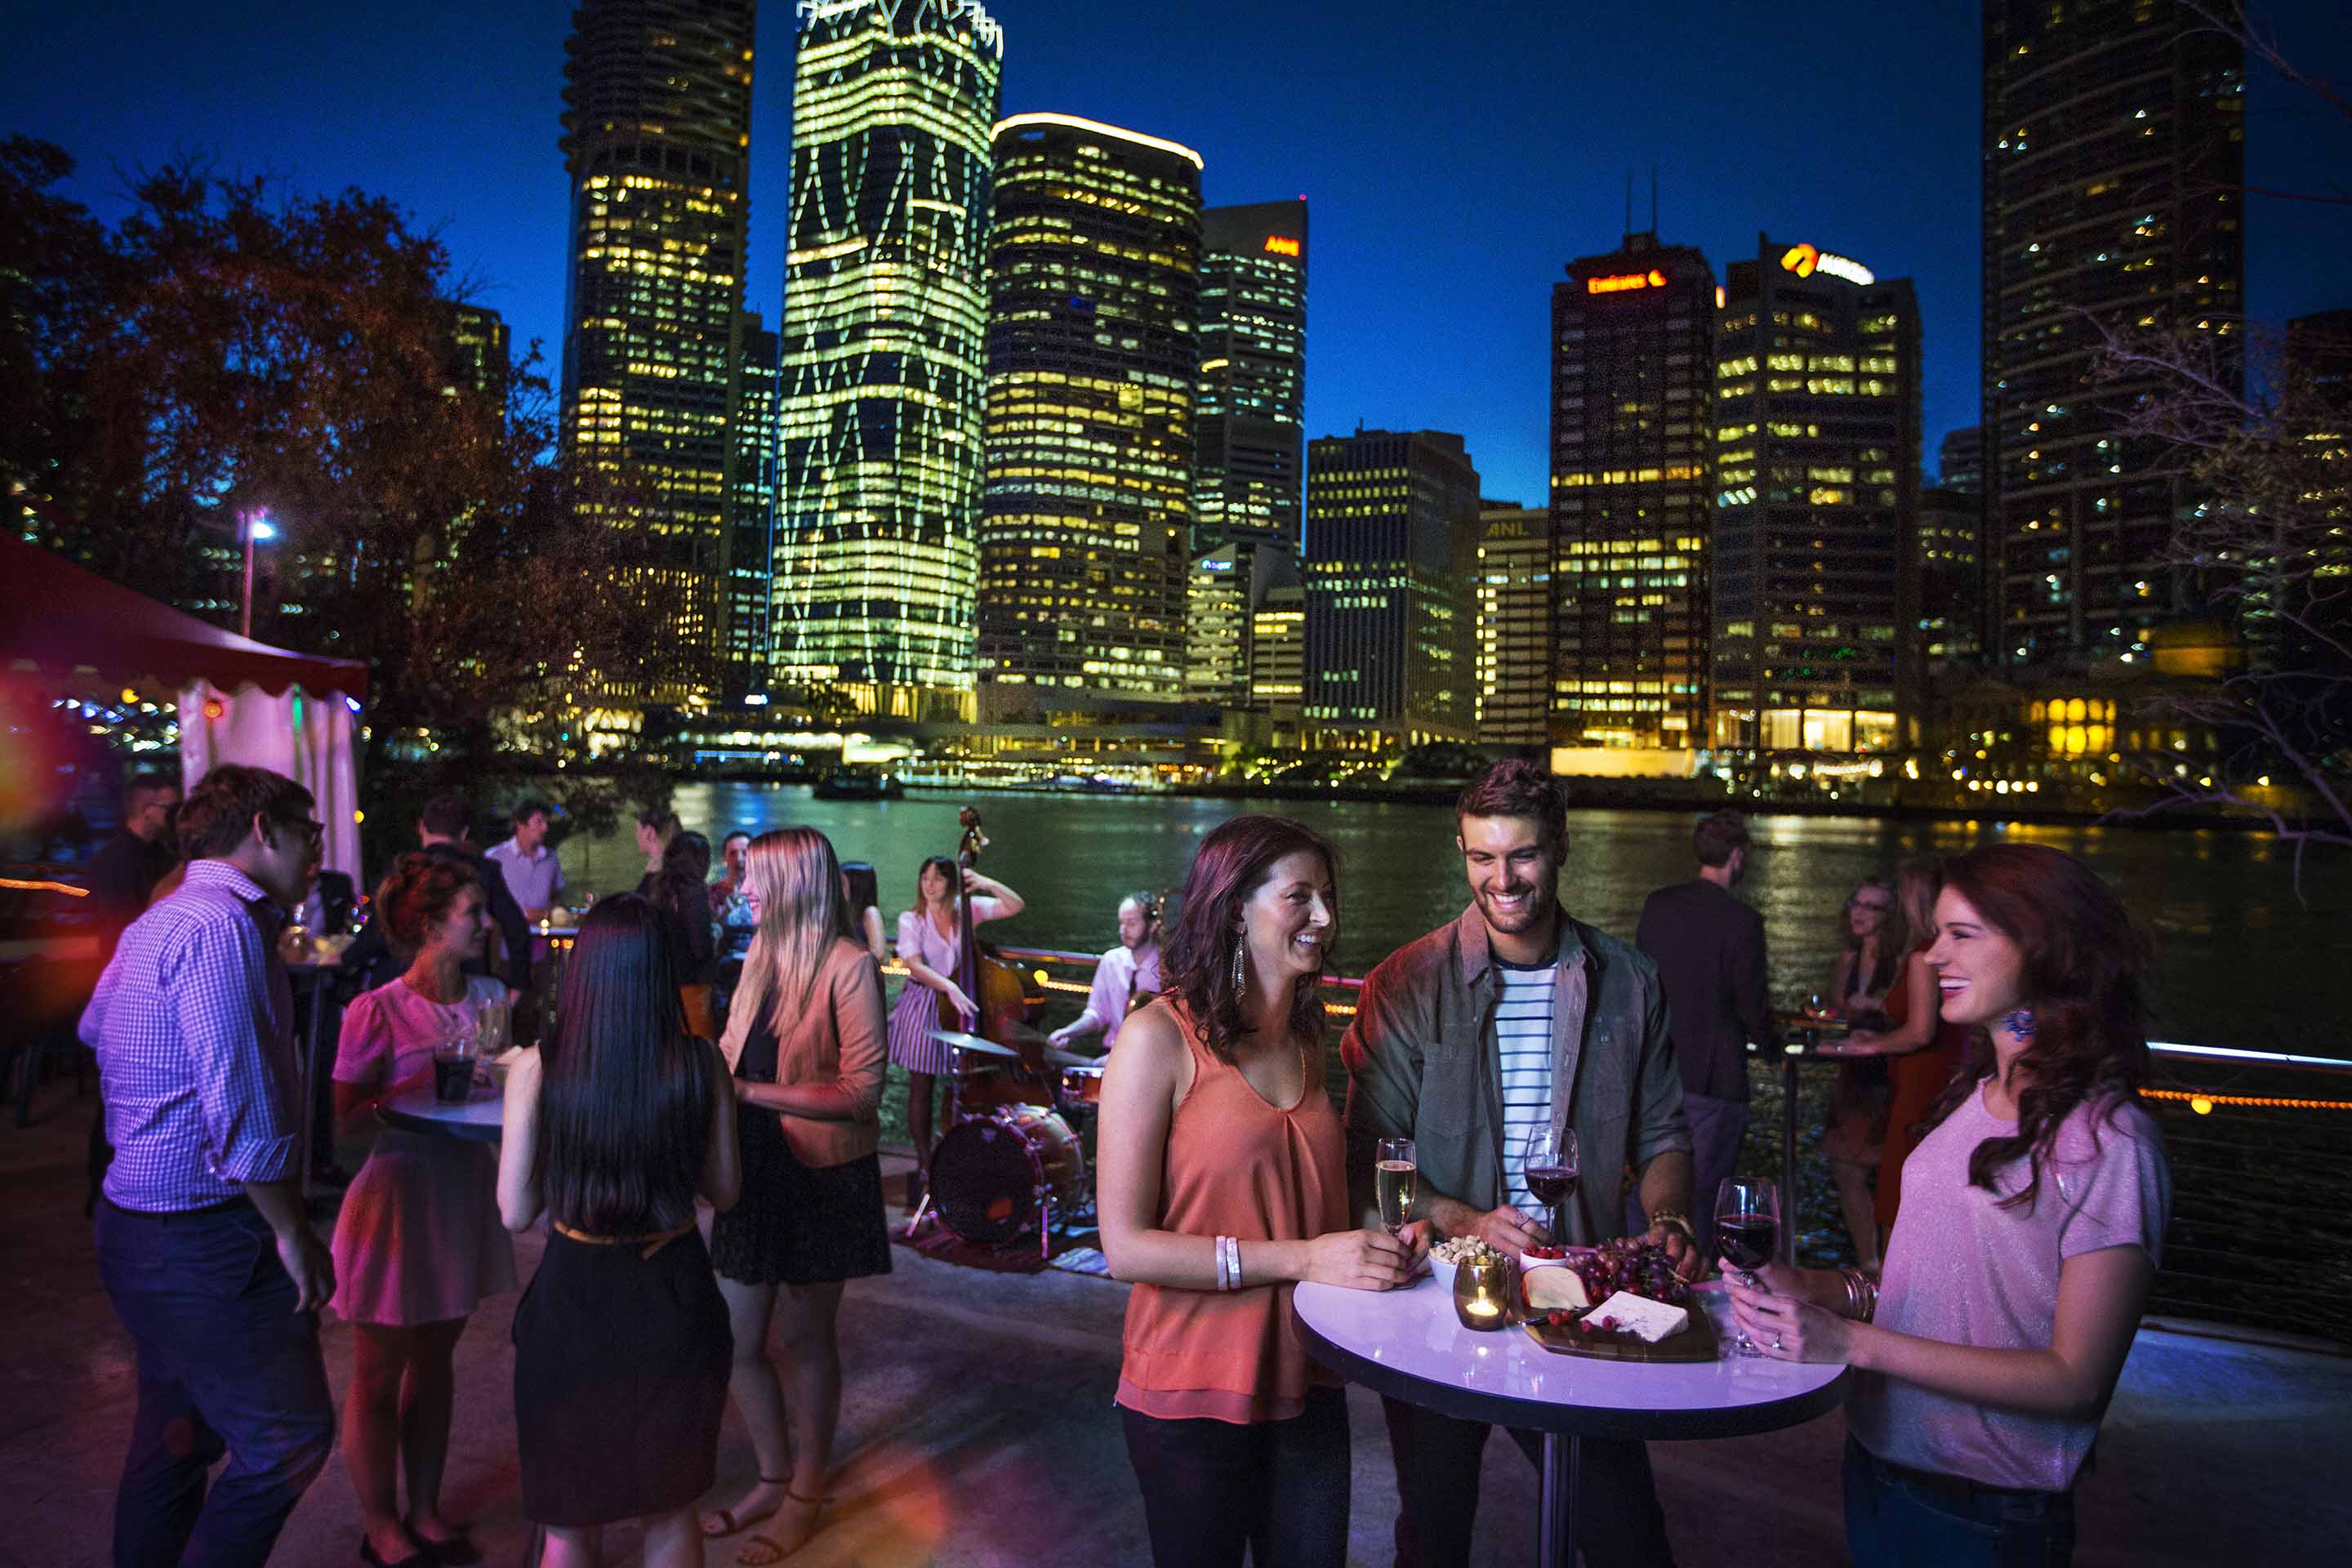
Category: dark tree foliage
[231,344]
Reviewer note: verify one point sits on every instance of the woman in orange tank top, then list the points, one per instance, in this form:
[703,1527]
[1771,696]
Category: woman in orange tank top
[1222,1184]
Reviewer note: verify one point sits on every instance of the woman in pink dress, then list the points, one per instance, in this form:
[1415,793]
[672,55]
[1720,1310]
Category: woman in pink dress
[419,1241]
[929,945]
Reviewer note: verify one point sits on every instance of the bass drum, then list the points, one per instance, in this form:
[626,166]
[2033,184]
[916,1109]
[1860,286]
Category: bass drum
[990,1174]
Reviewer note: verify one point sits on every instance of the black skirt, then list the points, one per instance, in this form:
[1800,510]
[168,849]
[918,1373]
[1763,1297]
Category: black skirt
[621,1365]
[800,1225]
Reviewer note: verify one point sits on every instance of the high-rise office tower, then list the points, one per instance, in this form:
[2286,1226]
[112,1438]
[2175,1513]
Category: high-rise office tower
[1391,537]
[2113,166]
[1511,671]
[1632,373]
[1226,590]
[475,350]
[1277,654]
[1817,485]
[1959,461]
[1251,422]
[1086,523]
[657,136]
[1948,570]
[878,418]
[750,511]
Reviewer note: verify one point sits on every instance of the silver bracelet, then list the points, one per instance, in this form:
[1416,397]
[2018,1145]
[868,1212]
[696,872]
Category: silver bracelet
[1234,1256]
[1217,1246]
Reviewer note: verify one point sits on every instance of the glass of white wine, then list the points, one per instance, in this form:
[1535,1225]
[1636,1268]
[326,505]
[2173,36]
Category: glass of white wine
[1396,1177]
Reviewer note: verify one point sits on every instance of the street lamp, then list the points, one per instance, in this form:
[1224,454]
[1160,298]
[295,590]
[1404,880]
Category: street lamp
[257,529]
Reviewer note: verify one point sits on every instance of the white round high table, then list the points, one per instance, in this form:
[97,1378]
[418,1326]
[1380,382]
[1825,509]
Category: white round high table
[480,1117]
[1407,1344]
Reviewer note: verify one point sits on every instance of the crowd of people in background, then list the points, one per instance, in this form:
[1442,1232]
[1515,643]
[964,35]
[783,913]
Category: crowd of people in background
[721,1045]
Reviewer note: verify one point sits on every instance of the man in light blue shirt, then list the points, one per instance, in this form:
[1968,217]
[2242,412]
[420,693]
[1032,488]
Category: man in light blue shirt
[533,873]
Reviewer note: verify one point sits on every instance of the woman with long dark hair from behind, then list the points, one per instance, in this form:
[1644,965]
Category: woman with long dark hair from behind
[679,891]
[931,944]
[863,891]
[2032,1223]
[417,1245]
[805,1043]
[1223,1183]
[613,1129]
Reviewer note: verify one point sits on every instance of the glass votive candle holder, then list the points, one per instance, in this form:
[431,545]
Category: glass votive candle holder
[1482,1293]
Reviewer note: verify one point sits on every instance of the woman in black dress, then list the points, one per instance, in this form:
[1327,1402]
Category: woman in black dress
[806,1043]
[678,891]
[621,1345]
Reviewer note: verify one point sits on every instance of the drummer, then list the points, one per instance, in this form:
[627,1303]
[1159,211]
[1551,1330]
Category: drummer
[1127,974]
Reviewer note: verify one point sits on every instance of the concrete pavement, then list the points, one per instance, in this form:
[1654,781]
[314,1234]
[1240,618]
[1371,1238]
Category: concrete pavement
[977,1429]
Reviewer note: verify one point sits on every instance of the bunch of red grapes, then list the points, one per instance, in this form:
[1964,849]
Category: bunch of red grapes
[1624,1263]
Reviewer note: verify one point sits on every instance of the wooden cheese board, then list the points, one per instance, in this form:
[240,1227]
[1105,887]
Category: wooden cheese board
[1696,1341]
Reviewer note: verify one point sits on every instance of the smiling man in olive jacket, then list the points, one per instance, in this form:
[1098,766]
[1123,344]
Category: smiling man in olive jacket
[1512,1017]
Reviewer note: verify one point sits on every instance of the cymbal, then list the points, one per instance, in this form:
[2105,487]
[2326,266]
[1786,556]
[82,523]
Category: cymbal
[1062,1058]
[973,1043]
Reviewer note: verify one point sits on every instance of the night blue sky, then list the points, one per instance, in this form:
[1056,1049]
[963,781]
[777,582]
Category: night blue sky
[1455,156]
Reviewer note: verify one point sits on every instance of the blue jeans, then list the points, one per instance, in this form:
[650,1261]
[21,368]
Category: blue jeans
[1892,1522]
[226,1365]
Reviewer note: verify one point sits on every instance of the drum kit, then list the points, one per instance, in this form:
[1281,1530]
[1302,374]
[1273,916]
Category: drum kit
[1007,1166]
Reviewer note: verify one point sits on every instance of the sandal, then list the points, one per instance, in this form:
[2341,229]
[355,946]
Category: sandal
[728,1524]
[776,1551]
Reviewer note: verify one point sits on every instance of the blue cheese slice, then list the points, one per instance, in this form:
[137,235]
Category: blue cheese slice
[1651,1320]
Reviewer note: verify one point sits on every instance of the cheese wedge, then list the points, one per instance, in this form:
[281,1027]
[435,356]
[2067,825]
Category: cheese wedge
[1554,1288]
[1651,1320]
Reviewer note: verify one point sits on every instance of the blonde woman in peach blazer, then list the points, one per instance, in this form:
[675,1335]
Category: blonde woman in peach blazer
[806,1044]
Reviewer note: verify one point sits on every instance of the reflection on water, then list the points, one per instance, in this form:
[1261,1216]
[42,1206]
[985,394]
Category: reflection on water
[2239,960]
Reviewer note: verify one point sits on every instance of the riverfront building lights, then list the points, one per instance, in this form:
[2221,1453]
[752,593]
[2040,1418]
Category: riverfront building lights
[1814,562]
[1512,683]
[657,126]
[879,429]
[1085,530]
[1631,432]
[2114,164]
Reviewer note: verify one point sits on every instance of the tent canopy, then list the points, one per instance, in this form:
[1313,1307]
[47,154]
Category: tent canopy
[59,618]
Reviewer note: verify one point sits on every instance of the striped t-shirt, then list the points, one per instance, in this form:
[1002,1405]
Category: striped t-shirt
[1523,1019]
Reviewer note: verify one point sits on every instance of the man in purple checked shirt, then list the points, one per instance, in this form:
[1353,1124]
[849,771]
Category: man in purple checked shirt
[202,1242]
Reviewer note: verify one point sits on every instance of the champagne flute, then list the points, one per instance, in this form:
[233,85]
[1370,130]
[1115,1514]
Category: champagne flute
[1549,1165]
[1396,1174]
[1746,1233]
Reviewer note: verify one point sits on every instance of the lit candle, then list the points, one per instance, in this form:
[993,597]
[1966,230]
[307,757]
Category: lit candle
[1483,1308]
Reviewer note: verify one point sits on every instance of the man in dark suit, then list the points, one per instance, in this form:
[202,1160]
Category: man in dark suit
[1709,950]
[445,828]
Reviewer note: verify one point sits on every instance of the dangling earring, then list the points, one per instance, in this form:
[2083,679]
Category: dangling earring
[2019,1022]
[1241,952]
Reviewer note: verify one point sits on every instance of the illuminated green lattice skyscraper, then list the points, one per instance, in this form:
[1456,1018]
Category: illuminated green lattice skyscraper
[883,314]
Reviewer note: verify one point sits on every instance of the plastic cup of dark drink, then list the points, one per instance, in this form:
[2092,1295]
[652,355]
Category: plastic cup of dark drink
[453,1071]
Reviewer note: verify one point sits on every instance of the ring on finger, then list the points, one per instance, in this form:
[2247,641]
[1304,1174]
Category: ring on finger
[1777,1344]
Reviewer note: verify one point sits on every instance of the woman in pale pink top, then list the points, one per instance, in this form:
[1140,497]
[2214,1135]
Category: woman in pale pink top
[2032,1221]
[1223,1183]
[419,1241]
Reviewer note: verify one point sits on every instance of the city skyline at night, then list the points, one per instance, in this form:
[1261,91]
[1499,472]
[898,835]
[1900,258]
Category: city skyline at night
[1444,248]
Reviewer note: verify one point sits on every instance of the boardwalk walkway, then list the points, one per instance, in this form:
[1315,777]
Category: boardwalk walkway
[977,1430]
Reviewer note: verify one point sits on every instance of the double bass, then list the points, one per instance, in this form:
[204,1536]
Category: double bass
[995,986]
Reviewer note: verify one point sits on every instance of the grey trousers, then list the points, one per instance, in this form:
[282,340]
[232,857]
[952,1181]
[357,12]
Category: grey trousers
[1716,1127]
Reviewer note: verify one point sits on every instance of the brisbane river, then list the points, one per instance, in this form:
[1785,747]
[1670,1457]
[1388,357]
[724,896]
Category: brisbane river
[2239,960]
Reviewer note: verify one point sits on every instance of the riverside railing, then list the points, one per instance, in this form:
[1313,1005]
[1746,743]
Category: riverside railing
[2261,1144]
